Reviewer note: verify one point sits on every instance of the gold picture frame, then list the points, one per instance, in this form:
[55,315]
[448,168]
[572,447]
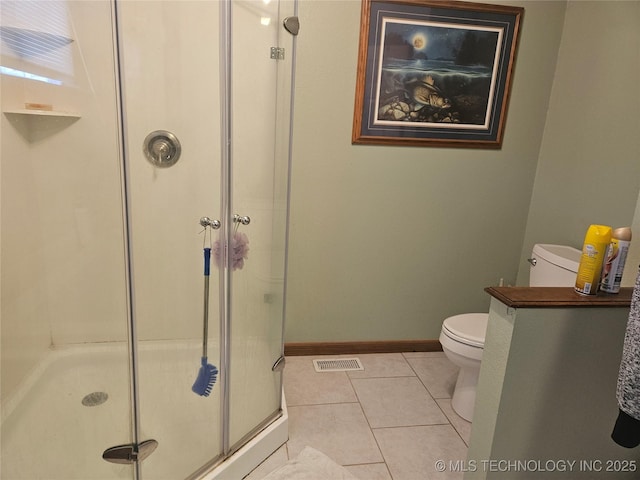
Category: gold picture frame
[434,73]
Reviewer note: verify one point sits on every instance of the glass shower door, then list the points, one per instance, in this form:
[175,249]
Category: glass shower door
[174,82]
[261,59]
[170,70]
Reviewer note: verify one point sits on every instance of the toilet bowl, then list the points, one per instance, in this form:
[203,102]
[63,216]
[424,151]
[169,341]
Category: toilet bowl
[462,340]
[462,336]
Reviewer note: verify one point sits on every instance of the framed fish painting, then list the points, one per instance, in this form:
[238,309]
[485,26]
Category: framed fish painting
[434,73]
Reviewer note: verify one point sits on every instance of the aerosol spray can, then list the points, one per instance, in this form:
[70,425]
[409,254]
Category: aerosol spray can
[594,250]
[616,256]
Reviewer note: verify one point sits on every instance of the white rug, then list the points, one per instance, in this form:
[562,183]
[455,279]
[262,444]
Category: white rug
[310,464]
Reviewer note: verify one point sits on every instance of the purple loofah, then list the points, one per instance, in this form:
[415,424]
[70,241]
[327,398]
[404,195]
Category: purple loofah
[239,251]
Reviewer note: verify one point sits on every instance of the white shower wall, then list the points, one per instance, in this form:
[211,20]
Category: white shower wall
[62,253]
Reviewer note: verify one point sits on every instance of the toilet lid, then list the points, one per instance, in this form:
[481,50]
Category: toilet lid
[469,328]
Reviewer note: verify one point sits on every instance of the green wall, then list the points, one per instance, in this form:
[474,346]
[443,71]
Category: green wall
[589,168]
[386,242]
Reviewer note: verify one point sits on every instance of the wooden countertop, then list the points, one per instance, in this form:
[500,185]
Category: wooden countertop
[553,297]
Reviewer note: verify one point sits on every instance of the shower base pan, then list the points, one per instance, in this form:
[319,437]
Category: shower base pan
[76,404]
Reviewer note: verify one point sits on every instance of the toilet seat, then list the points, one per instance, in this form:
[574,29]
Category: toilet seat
[467,328]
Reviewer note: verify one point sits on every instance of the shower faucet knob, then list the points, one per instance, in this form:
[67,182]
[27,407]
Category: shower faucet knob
[162,148]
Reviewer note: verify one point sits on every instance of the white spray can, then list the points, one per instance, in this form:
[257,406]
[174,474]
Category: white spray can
[616,257]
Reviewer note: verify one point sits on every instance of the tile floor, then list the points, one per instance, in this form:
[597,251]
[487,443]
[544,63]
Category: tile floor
[391,421]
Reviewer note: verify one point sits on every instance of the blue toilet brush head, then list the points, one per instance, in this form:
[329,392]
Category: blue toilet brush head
[207,376]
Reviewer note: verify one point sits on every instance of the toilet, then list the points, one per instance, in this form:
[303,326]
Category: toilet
[462,336]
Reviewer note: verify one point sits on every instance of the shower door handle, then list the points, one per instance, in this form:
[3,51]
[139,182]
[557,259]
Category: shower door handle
[207,222]
[244,220]
[130,453]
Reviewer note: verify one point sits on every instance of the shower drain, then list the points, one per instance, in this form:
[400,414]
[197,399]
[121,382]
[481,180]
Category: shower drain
[94,399]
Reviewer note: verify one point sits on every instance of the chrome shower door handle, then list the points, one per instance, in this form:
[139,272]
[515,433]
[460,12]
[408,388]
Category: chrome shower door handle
[130,453]
[243,220]
[207,222]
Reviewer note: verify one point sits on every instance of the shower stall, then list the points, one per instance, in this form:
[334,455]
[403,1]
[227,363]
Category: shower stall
[135,135]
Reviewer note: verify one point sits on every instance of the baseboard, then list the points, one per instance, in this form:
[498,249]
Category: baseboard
[341,348]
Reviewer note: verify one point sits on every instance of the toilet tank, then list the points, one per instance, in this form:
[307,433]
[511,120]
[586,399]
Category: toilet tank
[553,266]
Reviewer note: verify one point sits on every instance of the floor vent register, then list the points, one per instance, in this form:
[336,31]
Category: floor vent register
[338,365]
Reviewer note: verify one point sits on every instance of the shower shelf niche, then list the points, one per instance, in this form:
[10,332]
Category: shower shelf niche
[43,113]
[36,125]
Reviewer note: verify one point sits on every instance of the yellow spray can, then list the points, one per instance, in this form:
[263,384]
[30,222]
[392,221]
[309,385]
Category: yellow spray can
[594,250]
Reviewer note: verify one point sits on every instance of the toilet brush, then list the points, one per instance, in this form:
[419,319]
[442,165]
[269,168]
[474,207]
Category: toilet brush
[208,374]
